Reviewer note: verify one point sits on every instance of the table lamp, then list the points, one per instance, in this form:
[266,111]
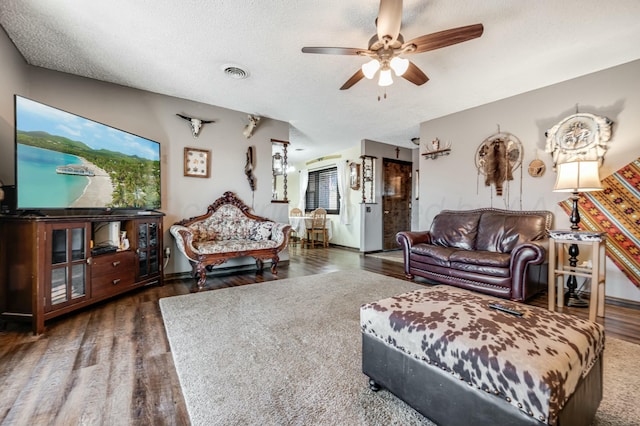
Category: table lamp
[576,177]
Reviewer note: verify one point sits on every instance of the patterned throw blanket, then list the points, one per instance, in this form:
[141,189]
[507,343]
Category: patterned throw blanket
[616,211]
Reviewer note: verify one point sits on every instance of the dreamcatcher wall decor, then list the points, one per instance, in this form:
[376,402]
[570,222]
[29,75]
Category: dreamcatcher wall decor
[497,157]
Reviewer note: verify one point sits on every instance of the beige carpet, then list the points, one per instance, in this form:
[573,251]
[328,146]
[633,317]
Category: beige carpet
[288,352]
[394,256]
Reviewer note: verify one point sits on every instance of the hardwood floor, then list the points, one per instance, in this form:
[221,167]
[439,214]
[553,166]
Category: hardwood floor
[111,364]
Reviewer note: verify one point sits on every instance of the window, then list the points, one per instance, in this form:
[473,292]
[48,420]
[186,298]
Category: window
[323,191]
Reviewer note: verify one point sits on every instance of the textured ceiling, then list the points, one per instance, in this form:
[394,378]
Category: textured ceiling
[178,48]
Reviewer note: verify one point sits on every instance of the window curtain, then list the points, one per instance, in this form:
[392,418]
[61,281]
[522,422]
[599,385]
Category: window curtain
[304,182]
[344,193]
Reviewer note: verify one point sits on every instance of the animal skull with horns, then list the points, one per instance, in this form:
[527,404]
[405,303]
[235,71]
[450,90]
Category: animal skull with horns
[196,124]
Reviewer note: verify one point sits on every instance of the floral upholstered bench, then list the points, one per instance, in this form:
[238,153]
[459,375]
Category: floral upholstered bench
[458,361]
[228,230]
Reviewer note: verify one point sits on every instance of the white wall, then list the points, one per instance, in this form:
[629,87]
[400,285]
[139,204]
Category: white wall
[452,181]
[153,116]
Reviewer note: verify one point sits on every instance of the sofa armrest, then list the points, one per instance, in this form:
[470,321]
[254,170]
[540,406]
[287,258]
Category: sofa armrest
[524,255]
[411,238]
[407,239]
[280,233]
[184,241]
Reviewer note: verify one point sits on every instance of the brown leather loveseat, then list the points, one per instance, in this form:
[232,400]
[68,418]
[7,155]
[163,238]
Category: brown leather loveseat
[502,253]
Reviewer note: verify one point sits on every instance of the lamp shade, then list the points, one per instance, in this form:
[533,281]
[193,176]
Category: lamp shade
[370,68]
[578,176]
[385,78]
[399,65]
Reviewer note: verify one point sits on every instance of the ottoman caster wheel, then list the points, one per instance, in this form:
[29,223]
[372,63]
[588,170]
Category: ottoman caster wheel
[373,385]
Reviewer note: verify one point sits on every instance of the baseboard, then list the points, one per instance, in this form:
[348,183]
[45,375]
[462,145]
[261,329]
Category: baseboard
[615,301]
[624,303]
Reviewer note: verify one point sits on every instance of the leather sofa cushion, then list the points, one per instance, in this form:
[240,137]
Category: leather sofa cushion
[432,255]
[484,258]
[500,232]
[437,252]
[455,229]
[492,271]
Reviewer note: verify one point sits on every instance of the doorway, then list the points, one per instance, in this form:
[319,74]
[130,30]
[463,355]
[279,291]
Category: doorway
[396,200]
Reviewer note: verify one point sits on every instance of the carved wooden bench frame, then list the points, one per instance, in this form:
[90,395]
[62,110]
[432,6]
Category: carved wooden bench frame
[205,262]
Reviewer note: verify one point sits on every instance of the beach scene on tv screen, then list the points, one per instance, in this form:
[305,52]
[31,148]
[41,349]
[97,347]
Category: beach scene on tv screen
[67,161]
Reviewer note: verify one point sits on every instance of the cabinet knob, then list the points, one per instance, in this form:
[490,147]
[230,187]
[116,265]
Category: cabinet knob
[89,260]
[116,281]
[116,263]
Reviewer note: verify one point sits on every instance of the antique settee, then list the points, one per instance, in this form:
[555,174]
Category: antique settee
[228,230]
[502,253]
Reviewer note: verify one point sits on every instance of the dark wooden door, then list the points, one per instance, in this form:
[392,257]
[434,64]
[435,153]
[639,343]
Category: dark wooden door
[396,200]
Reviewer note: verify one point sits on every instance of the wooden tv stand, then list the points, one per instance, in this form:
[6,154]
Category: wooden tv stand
[47,267]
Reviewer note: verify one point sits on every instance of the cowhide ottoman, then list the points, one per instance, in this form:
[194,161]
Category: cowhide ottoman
[457,361]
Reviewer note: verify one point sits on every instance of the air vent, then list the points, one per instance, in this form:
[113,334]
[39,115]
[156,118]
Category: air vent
[234,71]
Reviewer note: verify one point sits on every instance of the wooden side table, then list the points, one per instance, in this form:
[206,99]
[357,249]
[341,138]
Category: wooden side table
[558,268]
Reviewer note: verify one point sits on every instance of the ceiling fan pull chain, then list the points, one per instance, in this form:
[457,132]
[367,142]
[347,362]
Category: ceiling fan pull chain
[384,95]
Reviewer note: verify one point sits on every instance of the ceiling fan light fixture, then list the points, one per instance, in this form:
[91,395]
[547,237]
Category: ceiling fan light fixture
[370,68]
[399,65]
[385,78]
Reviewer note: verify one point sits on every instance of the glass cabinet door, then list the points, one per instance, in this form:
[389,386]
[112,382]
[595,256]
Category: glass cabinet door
[68,264]
[148,249]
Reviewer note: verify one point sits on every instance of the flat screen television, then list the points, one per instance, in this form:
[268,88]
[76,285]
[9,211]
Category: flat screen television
[65,161]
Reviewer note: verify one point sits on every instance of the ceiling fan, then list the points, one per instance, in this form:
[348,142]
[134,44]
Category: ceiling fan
[387,46]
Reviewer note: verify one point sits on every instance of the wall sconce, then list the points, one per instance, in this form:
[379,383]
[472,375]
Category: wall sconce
[277,164]
[279,167]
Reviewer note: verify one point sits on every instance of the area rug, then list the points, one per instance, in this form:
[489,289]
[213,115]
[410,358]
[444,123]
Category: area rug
[615,211]
[394,256]
[288,352]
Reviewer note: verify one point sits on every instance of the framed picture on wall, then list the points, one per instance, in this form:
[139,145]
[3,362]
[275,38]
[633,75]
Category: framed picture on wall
[197,162]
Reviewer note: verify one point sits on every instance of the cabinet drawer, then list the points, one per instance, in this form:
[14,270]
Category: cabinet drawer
[108,264]
[111,274]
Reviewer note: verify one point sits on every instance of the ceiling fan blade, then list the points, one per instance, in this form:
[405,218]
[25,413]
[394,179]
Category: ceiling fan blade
[445,38]
[389,19]
[333,50]
[359,75]
[415,75]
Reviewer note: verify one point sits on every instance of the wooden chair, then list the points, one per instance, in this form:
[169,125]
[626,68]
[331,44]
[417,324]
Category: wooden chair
[317,227]
[294,237]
